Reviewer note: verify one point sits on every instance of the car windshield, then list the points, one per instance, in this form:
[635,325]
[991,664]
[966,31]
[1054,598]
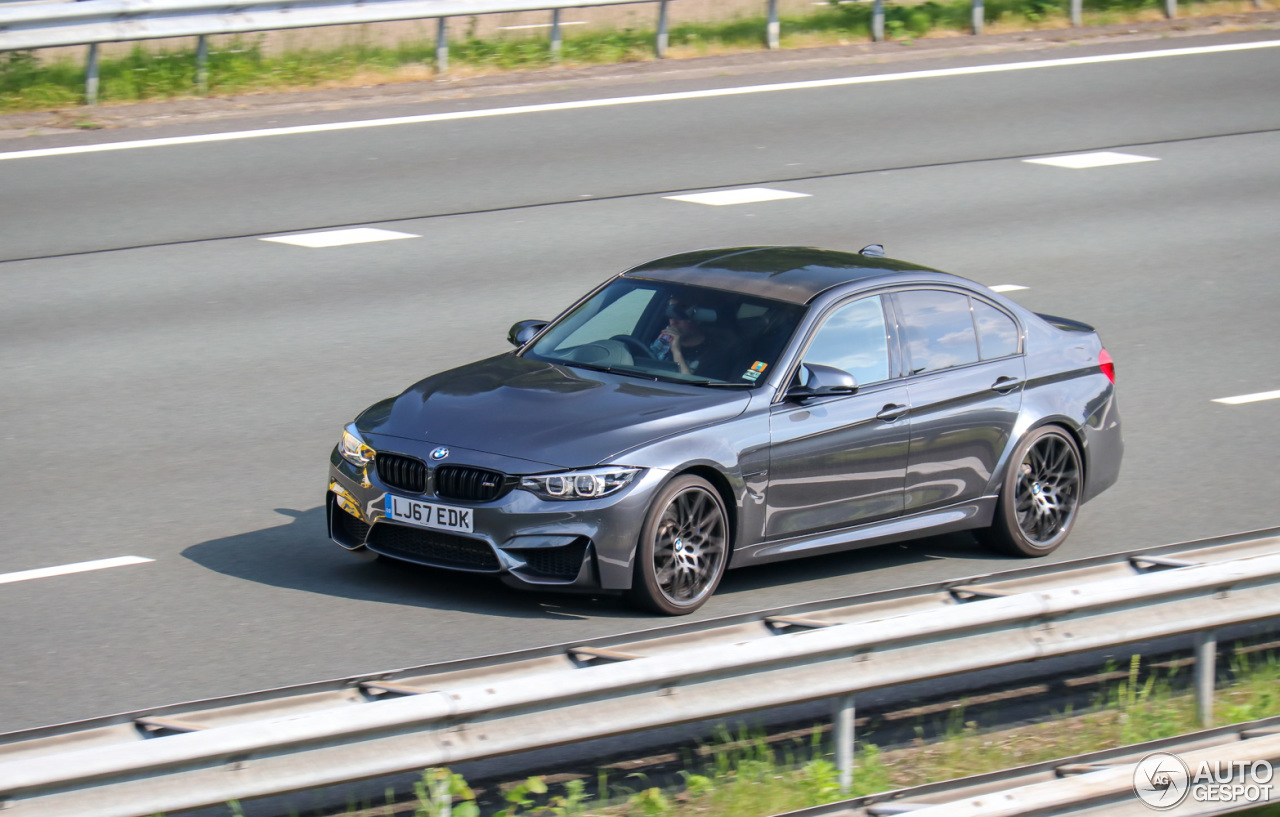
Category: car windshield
[668,331]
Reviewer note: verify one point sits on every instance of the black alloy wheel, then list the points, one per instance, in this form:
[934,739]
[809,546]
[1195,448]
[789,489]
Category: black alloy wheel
[683,548]
[1040,496]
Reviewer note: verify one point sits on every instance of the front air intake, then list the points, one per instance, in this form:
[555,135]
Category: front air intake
[432,547]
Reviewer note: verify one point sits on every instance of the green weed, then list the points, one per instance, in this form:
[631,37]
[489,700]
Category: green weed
[521,796]
[441,792]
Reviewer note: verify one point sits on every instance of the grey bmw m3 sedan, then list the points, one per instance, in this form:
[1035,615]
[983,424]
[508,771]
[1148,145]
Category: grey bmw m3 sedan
[731,407]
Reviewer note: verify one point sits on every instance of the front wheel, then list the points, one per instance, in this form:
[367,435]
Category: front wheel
[683,548]
[1040,496]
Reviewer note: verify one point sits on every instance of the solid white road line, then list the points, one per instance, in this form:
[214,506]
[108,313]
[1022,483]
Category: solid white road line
[740,195]
[339,238]
[78,567]
[1249,398]
[638,100]
[1005,288]
[1101,158]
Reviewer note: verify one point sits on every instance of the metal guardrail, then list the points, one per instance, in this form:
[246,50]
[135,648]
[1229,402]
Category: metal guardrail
[104,21]
[108,21]
[473,715]
[1097,783]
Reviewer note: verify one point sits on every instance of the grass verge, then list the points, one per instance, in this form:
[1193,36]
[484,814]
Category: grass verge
[243,65]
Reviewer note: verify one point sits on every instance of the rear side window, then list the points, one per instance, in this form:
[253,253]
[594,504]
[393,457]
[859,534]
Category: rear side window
[938,329]
[997,332]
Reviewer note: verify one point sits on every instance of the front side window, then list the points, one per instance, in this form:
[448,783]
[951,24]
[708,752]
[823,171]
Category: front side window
[938,329]
[854,338]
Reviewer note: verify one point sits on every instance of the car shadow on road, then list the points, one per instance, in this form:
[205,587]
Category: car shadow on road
[954,547]
[299,556]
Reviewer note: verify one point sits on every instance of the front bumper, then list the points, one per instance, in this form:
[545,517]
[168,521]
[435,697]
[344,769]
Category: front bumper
[524,540]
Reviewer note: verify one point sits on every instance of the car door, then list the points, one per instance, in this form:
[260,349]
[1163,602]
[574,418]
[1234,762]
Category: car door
[965,375]
[841,460]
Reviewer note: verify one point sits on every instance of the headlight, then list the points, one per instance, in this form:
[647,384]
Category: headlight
[353,448]
[590,484]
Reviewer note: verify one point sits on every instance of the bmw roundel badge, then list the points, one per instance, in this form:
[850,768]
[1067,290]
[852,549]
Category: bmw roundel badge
[440,453]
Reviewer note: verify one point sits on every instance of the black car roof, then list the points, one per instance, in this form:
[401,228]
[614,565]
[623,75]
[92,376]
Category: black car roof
[793,274]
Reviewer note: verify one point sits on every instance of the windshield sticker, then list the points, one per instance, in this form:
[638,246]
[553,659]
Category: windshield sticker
[755,371]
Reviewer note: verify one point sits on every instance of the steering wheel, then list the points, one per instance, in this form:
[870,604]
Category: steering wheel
[634,346]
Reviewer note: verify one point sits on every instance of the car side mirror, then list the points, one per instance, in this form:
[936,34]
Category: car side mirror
[823,381]
[522,332]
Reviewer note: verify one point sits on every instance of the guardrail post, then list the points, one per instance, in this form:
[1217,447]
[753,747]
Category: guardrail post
[202,64]
[1170,8]
[1077,12]
[1206,674]
[442,45]
[557,40]
[660,46]
[977,16]
[91,76]
[773,31]
[843,735]
[877,21]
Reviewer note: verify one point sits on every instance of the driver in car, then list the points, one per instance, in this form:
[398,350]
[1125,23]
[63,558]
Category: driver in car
[686,340]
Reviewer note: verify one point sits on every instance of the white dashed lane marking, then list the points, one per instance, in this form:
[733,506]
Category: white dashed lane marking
[741,195]
[1102,158]
[338,238]
[78,567]
[1005,288]
[1249,398]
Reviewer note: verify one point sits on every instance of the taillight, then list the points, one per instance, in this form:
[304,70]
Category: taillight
[1108,367]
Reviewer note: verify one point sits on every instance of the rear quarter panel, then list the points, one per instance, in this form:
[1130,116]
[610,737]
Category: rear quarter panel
[1065,386]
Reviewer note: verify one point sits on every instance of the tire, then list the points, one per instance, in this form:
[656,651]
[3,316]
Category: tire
[683,548]
[1040,496]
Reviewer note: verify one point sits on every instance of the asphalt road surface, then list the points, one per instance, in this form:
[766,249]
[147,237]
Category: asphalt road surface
[171,382]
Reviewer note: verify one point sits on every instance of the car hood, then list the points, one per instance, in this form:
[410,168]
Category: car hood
[565,417]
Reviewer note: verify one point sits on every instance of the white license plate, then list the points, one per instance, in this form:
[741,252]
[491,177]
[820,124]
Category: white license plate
[427,515]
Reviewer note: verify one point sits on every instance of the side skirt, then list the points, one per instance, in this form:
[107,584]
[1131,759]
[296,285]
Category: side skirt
[977,513]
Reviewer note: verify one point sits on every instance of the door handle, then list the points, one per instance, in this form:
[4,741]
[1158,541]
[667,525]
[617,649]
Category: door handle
[1004,385]
[892,411]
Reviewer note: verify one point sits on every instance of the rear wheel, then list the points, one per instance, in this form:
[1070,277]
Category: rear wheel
[683,548]
[1040,496]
